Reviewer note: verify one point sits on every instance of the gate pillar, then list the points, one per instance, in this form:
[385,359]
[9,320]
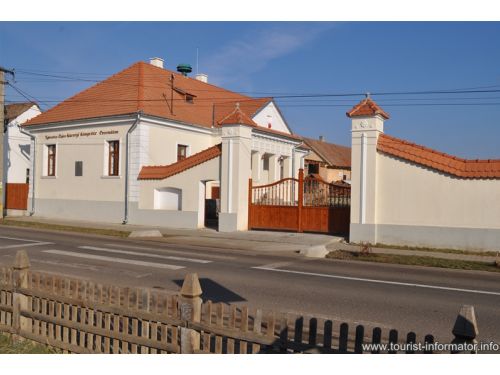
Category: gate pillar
[235,171]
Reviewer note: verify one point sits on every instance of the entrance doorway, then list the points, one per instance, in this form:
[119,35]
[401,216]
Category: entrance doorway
[212,205]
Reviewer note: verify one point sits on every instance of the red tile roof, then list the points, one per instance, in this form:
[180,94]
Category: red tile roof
[237,117]
[163,171]
[452,165]
[367,107]
[147,88]
[334,155]
[15,109]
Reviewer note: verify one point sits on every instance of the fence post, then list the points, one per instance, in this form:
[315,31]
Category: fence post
[249,203]
[465,330]
[190,311]
[20,301]
[301,199]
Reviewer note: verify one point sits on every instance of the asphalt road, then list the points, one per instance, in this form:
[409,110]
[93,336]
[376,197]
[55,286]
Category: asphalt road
[421,299]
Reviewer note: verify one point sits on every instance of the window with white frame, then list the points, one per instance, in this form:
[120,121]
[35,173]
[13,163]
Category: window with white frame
[182,152]
[113,158]
[51,161]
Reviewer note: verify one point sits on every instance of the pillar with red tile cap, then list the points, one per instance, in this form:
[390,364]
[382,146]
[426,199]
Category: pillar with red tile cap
[235,170]
[367,124]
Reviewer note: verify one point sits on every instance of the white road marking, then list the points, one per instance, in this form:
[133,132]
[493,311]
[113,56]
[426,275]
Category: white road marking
[144,254]
[25,245]
[114,260]
[272,266]
[18,239]
[380,281]
[70,265]
[170,250]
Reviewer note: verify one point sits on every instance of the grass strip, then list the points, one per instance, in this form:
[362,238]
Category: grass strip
[436,250]
[64,228]
[9,346]
[414,260]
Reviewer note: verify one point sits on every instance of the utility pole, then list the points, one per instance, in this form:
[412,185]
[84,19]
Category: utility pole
[3,171]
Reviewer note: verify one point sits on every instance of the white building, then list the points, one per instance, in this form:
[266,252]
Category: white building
[149,146]
[16,145]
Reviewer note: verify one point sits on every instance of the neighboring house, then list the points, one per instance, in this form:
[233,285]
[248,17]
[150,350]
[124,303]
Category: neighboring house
[149,146]
[16,145]
[330,161]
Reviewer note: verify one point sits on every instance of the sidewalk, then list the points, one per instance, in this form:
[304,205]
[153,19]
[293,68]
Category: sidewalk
[258,241]
[432,254]
[261,241]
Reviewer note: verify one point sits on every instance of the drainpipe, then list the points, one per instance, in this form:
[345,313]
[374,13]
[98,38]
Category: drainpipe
[33,168]
[131,129]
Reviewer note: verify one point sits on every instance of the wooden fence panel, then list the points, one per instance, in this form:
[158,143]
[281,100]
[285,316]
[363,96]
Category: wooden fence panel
[77,316]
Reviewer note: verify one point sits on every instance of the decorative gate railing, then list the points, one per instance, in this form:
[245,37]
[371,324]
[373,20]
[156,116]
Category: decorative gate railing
[303,205]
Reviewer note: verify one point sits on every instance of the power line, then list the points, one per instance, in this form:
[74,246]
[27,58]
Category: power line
[27,96]
[479,89]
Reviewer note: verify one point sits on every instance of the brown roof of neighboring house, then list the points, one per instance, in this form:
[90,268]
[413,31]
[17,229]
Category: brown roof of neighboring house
[334,155]
[15,109]
[367,107]
[163,171]
[449,164]
[147,88]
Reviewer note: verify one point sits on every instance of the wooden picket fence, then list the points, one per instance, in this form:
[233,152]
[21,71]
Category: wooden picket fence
[80,316]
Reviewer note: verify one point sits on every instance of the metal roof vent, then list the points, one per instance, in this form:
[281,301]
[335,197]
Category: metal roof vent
[184,69]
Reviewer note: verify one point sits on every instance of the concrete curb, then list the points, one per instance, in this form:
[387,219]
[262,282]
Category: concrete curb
[145,233]
[318,251]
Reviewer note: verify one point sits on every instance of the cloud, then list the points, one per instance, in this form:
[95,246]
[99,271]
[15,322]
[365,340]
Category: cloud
[238,60]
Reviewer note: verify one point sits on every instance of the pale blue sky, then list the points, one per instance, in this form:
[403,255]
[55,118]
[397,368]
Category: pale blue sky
[293,58]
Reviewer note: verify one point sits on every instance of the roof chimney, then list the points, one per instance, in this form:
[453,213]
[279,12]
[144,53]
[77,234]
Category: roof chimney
[202,77]
[156,61]
[321,138]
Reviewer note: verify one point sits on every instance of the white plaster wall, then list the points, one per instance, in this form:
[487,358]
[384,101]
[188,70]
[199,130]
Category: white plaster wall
[270,115]
[94,185]
[187,181]
[18,146]
[163,141]
[410,194]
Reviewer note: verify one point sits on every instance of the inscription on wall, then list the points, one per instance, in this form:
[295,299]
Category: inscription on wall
[83,134]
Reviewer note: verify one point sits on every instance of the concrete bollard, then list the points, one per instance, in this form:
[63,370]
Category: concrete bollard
[20,301]
[190,311]
[465,329]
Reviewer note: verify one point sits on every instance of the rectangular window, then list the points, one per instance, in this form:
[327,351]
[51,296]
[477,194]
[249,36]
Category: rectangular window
[78,168]
[181,152]
[114,158]
[51,160]
[265,163]
[313,168]
[27,175]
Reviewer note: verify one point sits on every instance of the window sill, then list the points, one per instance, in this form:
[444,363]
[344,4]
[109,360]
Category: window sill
[111,177]
[48,177]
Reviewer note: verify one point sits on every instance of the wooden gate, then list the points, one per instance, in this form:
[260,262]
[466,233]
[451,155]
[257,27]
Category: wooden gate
[301,205]
[16,196]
